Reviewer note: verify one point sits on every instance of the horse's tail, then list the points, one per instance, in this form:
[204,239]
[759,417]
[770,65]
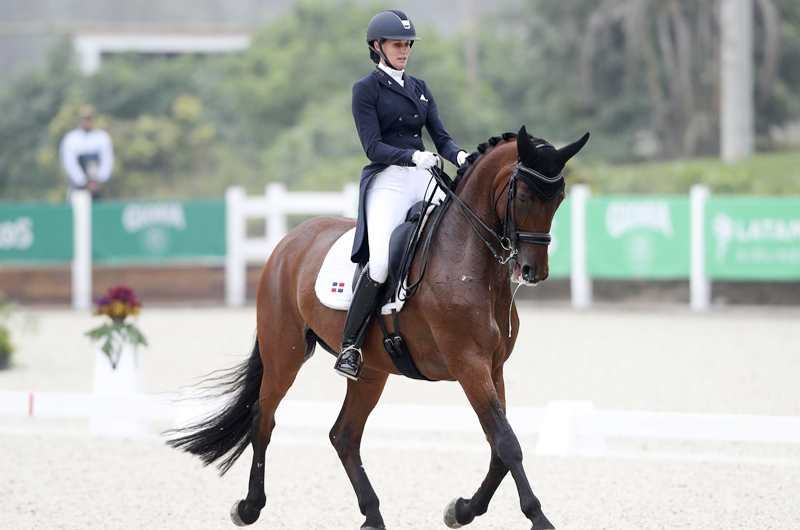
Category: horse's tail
[226,434]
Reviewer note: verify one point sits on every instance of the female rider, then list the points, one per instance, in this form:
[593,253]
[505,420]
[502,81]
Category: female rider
[390,108]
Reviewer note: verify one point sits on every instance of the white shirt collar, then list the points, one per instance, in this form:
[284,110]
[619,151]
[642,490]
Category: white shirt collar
[397,75]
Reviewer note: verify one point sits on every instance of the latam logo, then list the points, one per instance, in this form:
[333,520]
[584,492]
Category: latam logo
[137,217]
[727,230]
[16,235]
[623,217]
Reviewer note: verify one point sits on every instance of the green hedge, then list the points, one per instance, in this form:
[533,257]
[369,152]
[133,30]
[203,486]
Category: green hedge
[764,174]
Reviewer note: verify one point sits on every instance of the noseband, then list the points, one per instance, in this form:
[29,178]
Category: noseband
[511,237]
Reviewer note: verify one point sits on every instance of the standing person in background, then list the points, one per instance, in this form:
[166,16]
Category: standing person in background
[390,109]
[87,155]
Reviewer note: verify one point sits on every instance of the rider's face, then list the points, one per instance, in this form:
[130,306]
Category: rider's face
[397,51]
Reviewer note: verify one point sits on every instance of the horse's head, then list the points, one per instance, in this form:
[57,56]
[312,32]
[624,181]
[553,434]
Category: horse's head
[527,201]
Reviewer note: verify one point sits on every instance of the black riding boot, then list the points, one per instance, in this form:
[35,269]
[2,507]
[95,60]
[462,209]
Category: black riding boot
[350,362]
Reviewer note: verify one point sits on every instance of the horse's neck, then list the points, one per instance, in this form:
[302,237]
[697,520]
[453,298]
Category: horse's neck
[477,192]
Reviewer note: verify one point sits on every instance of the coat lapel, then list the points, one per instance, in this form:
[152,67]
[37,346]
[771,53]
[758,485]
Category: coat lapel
[410,88]
[387,81]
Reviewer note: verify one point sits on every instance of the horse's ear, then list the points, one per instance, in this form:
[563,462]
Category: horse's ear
[572,149]
[524,145]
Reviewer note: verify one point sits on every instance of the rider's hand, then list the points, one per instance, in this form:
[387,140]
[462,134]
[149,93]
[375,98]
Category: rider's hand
[424,159]
[93,186]
[461,157]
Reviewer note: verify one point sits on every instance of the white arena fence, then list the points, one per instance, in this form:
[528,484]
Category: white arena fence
[563,427]
[608,237]
[274,207]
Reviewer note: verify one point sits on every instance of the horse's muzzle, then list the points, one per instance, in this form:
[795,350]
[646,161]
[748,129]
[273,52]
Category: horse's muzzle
[527,274]
[533,274]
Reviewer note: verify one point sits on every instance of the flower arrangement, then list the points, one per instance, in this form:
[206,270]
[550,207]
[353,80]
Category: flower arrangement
[119,303]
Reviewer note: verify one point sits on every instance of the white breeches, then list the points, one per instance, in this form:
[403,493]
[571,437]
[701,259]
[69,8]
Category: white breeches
[389,196]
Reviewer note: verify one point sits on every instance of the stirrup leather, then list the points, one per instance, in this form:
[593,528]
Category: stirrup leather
[349,363]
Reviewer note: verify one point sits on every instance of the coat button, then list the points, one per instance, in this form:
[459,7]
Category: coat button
[415,115]
[400,135]
[401,118]
[415,135]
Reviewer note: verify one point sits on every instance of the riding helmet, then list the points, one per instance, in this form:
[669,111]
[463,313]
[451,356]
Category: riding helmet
[391,24]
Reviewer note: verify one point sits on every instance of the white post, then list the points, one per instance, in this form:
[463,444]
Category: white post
[235,234]
[82,249]
[580,283]
[737,102]
[699,284]
[276,213]
[350,200]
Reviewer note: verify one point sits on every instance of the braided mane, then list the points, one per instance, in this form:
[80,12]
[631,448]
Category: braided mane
[486,146]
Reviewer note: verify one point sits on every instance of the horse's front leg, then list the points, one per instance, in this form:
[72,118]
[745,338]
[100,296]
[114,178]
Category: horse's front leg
[362,396]
[475,378]
[462,511]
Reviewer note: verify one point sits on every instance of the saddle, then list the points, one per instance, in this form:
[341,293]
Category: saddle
[331,285]
[403,246]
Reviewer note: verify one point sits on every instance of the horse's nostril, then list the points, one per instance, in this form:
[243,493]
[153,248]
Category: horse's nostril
[526,272]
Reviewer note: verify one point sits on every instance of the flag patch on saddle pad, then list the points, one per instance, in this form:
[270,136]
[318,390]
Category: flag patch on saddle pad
[330,290]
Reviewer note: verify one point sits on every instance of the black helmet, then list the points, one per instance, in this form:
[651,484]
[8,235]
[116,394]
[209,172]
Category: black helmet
[391,24]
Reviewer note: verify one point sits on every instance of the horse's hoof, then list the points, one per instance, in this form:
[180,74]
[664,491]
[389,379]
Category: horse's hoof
[235,515]
[242,516]
[540,522]
[450,515]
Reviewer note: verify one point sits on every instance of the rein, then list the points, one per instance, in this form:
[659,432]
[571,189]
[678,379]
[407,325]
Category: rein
[508,241]
[511,237]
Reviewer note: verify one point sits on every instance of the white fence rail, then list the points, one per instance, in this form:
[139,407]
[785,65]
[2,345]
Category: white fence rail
[277,204]
[564,427]
[274,207]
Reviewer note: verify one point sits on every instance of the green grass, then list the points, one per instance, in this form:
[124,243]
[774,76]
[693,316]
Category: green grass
[763,174]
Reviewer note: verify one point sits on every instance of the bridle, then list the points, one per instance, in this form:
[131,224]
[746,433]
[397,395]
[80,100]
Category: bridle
[511,237]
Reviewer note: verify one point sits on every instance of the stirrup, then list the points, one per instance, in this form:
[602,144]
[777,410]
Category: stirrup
[346,367]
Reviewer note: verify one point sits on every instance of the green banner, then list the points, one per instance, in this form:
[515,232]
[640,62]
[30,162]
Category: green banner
[560,249]
[157,231]
[753,238]
[35,233]
[638,237]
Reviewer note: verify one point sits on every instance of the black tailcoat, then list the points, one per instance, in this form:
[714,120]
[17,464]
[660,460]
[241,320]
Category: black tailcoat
[389,119]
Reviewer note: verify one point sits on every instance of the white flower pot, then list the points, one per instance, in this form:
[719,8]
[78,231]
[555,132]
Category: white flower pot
[121,384]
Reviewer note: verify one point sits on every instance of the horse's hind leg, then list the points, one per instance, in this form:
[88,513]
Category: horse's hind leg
[281,363]
[362,396]
[462,511]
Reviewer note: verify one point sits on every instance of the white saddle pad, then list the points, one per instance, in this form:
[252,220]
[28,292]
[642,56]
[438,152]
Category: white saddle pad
[334,285]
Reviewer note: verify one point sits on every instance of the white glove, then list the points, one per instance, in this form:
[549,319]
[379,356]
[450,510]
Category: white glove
[461,157]
[424,159]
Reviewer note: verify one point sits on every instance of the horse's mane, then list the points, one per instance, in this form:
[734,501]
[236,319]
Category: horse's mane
[487,146]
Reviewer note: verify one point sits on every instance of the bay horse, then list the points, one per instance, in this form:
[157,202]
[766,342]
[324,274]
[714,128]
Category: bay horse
[461,326]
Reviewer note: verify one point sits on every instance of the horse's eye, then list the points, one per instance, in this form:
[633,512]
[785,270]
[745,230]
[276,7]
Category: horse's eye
[522,198]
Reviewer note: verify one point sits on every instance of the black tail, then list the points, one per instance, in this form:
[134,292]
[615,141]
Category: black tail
[227,434]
